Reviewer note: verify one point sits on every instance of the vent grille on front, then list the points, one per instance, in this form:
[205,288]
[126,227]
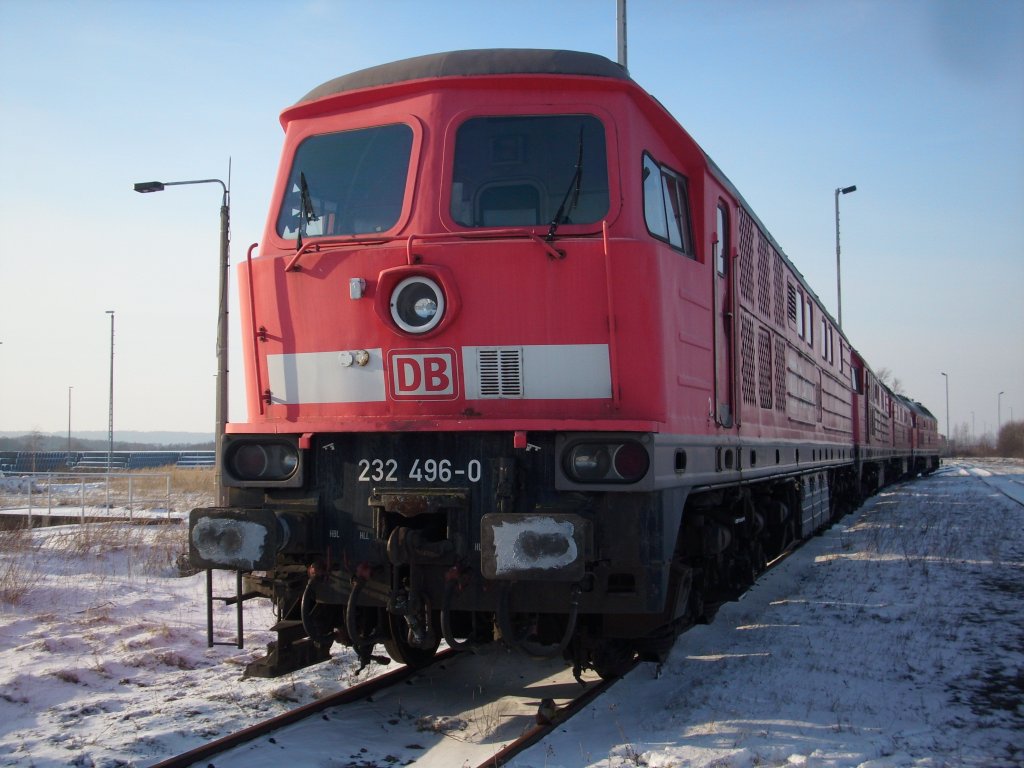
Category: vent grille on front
[501,372]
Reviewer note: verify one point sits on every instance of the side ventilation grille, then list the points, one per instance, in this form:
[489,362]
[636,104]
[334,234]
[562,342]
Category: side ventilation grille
[748,384]
[501,372]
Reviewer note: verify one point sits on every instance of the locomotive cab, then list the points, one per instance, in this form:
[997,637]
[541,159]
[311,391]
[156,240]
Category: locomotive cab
[438,400]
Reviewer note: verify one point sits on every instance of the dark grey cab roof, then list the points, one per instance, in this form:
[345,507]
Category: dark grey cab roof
[493,61]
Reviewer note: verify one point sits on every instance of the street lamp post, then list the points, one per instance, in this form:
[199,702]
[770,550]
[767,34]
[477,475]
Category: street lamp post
[621,31]
[839,278]
[67,459]
[947,410]
[999,407]
[221,406]
[110,407]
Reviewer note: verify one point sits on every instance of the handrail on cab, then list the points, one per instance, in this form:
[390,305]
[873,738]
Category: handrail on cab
[551,251]
[255,331]
[311,246]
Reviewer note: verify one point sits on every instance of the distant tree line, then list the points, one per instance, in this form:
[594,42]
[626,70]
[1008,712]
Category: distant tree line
[1009,443]
[36,441]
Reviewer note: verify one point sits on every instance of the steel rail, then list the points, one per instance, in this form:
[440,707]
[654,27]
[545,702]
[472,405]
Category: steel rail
[539,731]
[347,696]
[997,487]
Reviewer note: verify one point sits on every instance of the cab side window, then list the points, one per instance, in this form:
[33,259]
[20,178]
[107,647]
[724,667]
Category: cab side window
[666,206]
[722,249]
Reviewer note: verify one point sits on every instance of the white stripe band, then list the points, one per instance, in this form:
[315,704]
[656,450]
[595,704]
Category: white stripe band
[322,377]
[529,372]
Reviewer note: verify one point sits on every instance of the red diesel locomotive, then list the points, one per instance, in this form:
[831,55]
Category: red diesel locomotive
[523,365]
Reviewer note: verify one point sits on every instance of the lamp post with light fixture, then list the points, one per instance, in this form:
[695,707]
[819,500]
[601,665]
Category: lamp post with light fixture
[947,410]
[110,407]
[839,278]
[67,459]
[222,314]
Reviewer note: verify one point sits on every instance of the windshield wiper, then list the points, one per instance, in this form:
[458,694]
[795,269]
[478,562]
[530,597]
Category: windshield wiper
[562,215]
[307,213]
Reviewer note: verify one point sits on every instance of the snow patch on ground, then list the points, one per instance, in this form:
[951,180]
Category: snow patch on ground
[896,638]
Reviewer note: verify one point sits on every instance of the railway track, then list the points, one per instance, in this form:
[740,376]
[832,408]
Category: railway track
[466,710]
[1009,485]
[463,710]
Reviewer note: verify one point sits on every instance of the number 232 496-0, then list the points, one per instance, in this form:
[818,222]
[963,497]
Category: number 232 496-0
[421,471]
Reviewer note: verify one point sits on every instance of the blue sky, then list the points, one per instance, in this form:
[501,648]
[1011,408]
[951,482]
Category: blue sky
[920,104]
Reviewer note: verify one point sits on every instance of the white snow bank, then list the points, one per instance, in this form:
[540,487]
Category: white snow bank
[895,639]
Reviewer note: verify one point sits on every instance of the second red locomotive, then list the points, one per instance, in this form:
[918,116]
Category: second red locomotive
[522,364]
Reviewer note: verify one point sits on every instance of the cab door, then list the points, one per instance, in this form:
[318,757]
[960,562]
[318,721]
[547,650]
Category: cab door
[723,317]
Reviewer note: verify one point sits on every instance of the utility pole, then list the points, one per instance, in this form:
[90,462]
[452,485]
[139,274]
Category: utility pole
[839,275]
[622,32]
[110,408]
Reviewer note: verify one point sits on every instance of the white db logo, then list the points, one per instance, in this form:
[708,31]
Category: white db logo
[423,374]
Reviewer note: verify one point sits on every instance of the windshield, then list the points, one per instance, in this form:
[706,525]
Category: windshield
[530,171]
[347,183]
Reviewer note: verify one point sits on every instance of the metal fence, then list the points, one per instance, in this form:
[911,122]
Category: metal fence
[92,495]
[117,461]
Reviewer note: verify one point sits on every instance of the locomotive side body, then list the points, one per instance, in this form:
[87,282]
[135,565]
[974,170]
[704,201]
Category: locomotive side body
[523,364]
[924,438]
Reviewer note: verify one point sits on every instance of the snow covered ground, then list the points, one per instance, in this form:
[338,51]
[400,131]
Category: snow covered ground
[894,639]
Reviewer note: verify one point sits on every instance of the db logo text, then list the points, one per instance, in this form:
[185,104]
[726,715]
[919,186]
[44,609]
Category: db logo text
[423,374]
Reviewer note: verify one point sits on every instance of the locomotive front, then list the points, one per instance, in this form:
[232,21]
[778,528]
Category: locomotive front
[447,436]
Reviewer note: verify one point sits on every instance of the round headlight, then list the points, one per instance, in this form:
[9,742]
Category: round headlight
[616,461]
[588,462]
[631,462]
[417,304]
[270,462]
[250,461]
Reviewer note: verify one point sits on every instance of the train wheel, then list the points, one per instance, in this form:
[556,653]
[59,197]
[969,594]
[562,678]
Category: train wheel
[613,658]
[397,642]
[760,559]
[782,538]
